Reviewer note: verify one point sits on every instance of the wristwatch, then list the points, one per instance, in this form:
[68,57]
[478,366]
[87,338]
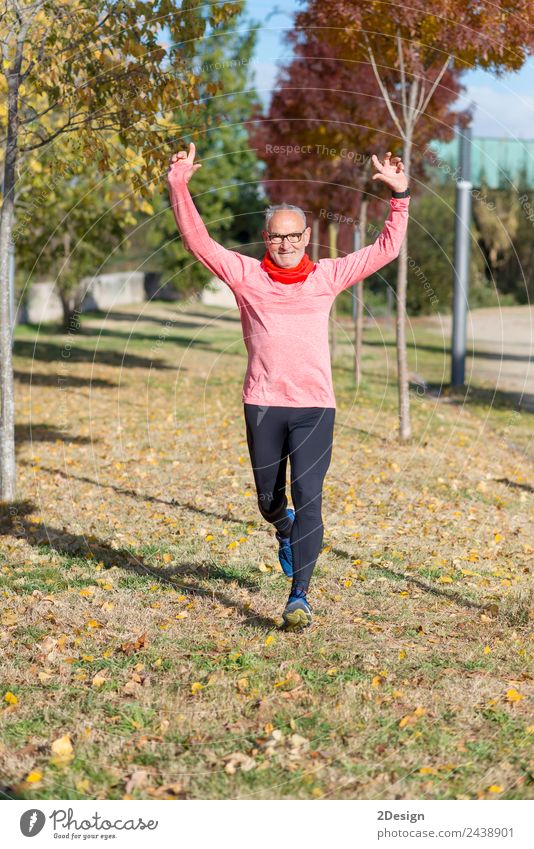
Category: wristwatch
[404,194]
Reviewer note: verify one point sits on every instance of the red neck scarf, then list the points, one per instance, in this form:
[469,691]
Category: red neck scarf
[288,275]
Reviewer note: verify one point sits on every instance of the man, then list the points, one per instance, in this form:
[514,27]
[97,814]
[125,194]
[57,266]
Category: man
[288,397]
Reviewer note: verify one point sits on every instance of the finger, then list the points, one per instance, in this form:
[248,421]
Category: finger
[376,162]
[197,166]
[192,151]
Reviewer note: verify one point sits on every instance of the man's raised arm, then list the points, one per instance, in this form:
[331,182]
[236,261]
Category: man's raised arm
[360,264]
[230,266]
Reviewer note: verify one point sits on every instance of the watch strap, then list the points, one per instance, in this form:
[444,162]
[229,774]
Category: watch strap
[404,194]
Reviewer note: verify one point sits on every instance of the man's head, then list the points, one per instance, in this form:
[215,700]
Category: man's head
[284,219]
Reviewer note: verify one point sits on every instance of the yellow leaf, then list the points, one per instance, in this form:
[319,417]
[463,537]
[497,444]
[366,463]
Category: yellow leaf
[497,537]
[402,655]
[242,685]
[512,695]
[331,671]
[167,558]
[270,640]
[529,729]
[62,751]
[10,698]
[87,592]
[445,579]
[93,623]
[487,650]
[33,777]
[98,680]
[495,788]
[209,537]
[196,687]
[428,770]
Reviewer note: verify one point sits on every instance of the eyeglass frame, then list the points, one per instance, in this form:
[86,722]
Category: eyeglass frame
[281,236]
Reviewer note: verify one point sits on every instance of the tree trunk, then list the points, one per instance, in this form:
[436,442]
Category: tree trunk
[7,415]
[332,238]
[68,302]
[358,324]
[315,239]
[405,428]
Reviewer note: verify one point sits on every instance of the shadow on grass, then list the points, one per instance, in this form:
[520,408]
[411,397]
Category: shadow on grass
[526,487]
[519,402]
[53,380]
[447,595]
[47,433]
[13,523]
[172,317]
[49,352]
[132,493]
[444,349]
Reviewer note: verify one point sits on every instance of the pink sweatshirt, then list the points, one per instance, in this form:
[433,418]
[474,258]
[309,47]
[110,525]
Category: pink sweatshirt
[285,327]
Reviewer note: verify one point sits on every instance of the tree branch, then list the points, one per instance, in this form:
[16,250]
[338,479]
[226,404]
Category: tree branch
[435,85]
[384,90]
[403,76]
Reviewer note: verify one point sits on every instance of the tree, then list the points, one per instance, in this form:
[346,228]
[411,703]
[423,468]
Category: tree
[422,43]
[338,141]
[231,206]
[96,69]
[71,222]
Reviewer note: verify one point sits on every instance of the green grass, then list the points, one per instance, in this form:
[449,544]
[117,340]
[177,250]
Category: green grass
[153,470]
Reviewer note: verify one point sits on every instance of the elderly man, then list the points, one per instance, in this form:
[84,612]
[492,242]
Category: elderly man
[289,404]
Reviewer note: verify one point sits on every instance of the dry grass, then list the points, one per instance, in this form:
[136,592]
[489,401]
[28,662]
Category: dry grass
[142,595]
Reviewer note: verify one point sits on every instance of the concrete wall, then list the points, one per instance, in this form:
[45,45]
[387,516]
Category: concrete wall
[110,290]
[107,291]
[102,292]
[217,294]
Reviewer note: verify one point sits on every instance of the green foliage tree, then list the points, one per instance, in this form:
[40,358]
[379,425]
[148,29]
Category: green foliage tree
[71,219]
[226,189]
[100,71]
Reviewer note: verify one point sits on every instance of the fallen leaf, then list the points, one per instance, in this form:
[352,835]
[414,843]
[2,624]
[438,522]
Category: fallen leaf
[10,698]
[238,760]
[62,750]
[135,645]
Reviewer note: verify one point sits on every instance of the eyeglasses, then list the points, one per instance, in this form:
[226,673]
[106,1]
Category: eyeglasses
[292,238]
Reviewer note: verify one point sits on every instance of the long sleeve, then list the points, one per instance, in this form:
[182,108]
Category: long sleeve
[230,266]
[360,264]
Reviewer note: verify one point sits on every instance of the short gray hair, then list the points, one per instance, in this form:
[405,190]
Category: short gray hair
[287,207]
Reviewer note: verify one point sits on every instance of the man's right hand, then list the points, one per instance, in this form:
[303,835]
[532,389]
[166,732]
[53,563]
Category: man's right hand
[182,166]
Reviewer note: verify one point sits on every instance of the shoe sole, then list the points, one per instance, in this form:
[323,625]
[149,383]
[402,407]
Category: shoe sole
[297,619]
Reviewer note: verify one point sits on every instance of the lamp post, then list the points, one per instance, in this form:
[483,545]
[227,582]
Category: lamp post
[461,259]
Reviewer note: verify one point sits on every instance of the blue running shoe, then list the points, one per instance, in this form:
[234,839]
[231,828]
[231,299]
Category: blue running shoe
[298,613]
[285,555]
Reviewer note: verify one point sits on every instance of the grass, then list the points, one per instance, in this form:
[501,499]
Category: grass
[142,593]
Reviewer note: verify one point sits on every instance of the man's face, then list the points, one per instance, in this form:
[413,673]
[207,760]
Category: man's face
[283,222]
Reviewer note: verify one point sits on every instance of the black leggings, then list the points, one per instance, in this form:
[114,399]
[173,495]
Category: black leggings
[305,435]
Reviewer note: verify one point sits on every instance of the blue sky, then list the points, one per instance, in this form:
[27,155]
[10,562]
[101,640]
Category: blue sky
[504,107]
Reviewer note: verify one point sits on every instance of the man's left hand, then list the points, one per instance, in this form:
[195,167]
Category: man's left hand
[390,172]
